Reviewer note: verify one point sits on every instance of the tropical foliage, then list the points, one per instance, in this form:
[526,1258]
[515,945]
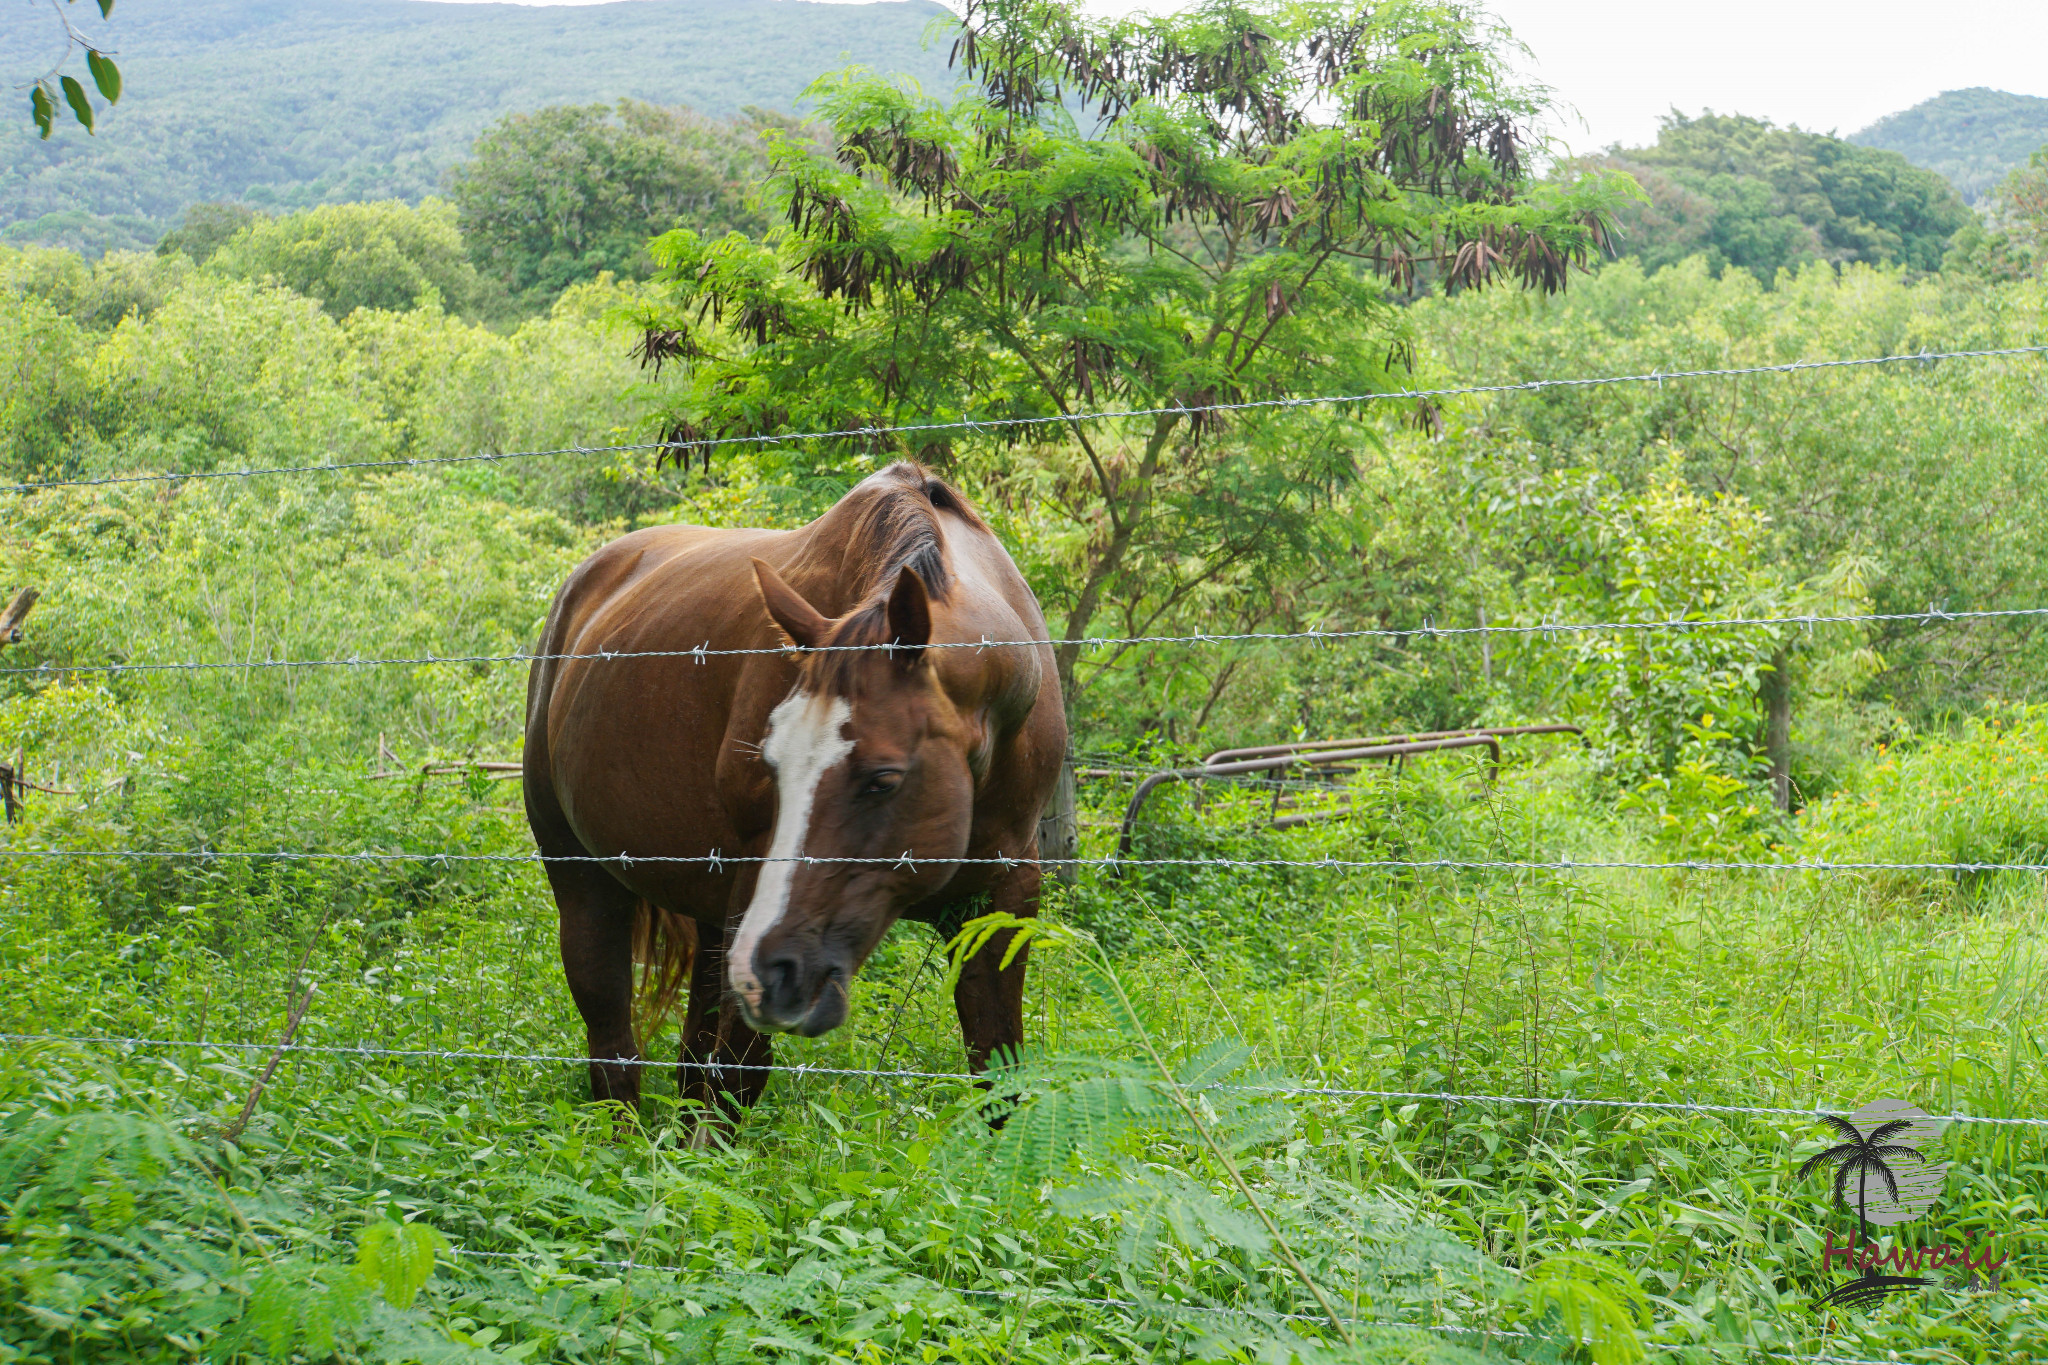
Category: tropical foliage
[1226,1141]
[559,196]
[1209,240]
[348,256]
[1744,193]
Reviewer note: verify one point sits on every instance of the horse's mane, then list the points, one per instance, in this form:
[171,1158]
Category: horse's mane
[896,528]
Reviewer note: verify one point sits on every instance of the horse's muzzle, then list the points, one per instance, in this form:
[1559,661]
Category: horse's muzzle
[802,993]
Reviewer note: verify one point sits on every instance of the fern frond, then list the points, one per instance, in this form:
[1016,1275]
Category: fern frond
[1024,931]
[1090,1116]
[1214,1065]
[574,1196]
[711,1208]
[1597,1300]
[398,1258]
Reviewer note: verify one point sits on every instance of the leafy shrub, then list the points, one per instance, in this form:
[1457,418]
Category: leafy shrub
[1978,795]
[130,1234]
[386,256]
[1665,554]
[1697,809]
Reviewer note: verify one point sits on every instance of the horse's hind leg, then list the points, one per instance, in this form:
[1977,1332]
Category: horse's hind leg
[597,957]
[725,1063]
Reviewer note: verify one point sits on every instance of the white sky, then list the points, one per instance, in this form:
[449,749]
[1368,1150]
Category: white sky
[1827,65]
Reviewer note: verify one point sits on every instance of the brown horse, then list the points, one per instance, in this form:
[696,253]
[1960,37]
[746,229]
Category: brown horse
[790,755]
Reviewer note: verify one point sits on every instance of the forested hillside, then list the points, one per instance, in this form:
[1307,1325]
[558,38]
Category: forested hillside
[289,103]
[1973,137]
[1742,192]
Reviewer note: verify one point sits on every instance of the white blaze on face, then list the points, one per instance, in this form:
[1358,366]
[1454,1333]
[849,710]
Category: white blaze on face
[802,745]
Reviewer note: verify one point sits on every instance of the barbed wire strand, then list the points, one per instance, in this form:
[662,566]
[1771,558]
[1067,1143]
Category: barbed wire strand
[1053,419]
[1162,1309]
[1426,631]
[912,862]
[803,1069]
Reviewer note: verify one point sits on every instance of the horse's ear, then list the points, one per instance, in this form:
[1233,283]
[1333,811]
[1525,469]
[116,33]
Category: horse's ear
[800,621]
[910,617]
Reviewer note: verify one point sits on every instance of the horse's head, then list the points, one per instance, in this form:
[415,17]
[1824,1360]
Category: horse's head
[871,760]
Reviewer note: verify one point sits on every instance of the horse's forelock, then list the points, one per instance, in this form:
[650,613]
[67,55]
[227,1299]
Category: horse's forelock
[835,672]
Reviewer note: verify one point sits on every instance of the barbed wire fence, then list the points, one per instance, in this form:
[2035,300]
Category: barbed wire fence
[364,1053]
[1047,420]
[368,1052]
[1426,631]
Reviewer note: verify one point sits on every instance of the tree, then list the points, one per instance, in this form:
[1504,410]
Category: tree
[1971,137]
[53,84]
[2010,241]
[1216,207]
[1763,198]
[351,256]
[554,197]
[2022,198]
[205,229]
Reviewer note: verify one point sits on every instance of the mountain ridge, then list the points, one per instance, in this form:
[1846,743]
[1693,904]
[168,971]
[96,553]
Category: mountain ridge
[1972,136]
[287,103]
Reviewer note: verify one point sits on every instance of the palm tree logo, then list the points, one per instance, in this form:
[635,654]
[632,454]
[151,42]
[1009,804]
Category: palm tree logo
[1863,1155]
[1873,1139]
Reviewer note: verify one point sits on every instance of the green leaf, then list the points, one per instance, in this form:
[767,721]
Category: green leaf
[977,933]
[43,108]
[274,1313]
[105,74]
[106,9]
[398,1258]
[1599,1301]
[74,95]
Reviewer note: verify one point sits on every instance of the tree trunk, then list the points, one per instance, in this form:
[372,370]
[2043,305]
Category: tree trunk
[1059,828]
[1777,699]
[1111,559]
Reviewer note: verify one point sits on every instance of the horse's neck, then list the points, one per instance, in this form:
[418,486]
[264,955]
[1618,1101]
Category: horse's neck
[834,574]
[1002,682]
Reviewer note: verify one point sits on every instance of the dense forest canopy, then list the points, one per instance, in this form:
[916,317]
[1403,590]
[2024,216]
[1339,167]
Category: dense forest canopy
[285,104]
[556,197]
[1744,193]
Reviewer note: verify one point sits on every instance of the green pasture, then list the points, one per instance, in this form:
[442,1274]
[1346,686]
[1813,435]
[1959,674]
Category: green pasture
[874,1219]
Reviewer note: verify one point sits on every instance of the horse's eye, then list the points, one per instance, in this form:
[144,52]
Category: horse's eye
[881,782]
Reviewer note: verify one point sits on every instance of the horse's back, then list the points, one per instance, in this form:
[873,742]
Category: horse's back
[624,750]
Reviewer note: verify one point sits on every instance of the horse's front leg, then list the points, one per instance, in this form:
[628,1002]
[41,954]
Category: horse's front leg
[725,1063]
[990,998]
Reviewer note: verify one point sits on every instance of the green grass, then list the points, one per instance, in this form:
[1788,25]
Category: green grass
[844,1214]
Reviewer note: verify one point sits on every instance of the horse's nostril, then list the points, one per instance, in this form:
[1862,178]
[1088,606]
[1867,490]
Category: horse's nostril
[778,980]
